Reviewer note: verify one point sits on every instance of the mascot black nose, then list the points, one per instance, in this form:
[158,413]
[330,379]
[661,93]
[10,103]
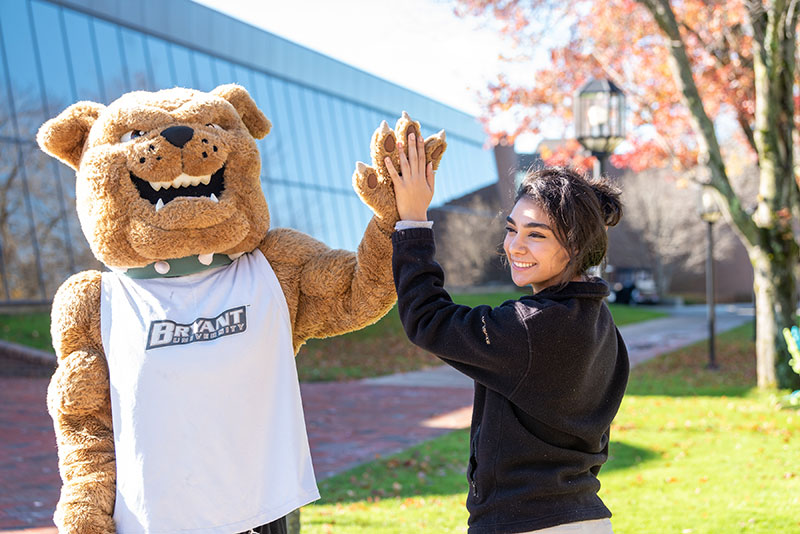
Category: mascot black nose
[178,135]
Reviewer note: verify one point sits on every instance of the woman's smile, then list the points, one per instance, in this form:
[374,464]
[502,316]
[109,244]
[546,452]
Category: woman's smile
[521,265]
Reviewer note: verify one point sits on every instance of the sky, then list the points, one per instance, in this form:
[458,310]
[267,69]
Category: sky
[419,44]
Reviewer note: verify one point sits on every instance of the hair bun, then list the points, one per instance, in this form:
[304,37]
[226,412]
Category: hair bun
[608,195]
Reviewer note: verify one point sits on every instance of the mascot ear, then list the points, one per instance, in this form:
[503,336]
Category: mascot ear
[251,116]
[64,136]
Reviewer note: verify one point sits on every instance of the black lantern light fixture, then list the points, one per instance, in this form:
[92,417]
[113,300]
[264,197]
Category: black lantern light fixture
[710,213]
[600,119]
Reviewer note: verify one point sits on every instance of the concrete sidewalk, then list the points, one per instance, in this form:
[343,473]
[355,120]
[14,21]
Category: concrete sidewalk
[684,326]
[349,423]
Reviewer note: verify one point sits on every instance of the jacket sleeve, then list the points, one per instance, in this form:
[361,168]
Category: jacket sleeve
[490,345]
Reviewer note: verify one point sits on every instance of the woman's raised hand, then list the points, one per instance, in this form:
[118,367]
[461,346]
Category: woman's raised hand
[413,186]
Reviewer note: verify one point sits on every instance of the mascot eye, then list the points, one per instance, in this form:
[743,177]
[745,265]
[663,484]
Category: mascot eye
[130,136]
[213,125]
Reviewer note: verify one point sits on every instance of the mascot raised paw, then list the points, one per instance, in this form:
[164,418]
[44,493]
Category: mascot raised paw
[176,403]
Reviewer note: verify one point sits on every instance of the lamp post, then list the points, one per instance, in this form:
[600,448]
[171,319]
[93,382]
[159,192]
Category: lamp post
[600,119]
[710,213]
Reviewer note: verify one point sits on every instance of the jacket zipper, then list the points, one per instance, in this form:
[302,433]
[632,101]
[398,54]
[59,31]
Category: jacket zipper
[473,467]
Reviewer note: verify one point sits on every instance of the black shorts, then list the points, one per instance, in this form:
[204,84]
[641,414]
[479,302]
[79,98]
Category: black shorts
[278,526]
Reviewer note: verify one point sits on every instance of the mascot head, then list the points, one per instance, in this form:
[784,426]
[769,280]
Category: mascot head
[165,175]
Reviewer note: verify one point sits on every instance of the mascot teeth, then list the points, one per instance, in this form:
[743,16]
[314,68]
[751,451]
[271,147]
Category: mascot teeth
[184,180]
[160,194]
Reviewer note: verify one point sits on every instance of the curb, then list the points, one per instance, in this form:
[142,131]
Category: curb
[27,354]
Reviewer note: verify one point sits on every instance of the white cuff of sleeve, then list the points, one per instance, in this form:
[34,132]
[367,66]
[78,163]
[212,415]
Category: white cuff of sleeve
[405,225]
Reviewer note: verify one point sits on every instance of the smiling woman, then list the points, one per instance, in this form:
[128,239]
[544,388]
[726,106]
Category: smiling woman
[550,369]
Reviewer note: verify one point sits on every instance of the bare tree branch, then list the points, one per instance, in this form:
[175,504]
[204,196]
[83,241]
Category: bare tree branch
[716,51]
[792,10]
[758,19]
[747,129]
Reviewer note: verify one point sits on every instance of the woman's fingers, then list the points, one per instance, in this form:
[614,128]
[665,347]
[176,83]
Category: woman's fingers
[396,180]
[405,170]
[429,175]
[415,164]
[412,154]
[421,155]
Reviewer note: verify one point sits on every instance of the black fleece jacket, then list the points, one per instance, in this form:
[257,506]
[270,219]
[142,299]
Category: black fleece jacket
[550,371]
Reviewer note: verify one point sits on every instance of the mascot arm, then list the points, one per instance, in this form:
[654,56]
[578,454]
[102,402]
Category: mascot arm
[331,292]
[78,401]
[328,291]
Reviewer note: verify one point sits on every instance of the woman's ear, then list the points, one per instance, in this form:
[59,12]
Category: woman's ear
[257,123]
[64,137]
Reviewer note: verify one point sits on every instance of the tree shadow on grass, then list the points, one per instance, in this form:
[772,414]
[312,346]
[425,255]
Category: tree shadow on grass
[623,455]
[437,469]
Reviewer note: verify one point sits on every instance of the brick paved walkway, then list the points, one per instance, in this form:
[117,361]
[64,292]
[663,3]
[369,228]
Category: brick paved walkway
[29,481]
[348,424]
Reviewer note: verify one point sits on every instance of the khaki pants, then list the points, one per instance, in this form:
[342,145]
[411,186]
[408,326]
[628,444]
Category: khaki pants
[595,526]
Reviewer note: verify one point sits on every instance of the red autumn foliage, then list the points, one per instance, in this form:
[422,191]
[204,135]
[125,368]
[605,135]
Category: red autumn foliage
[619,40]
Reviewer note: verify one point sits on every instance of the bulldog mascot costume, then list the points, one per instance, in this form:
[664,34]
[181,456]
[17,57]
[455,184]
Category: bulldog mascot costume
[176,402]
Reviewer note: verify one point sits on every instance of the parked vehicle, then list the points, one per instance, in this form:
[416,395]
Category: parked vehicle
[633,286]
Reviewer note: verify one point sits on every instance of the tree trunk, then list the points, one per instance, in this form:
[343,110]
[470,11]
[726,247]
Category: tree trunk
[775,291]
[662,277]
[774,54]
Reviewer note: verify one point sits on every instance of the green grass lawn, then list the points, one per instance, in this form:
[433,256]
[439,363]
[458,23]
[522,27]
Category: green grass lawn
[693,451]
[30,329]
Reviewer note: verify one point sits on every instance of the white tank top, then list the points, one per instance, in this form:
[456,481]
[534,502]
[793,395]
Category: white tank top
[208,422]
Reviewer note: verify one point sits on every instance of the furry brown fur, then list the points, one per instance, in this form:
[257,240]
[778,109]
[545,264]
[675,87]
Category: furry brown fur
[143,138]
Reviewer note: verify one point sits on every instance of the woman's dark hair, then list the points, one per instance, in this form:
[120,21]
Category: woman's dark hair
[580,209]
